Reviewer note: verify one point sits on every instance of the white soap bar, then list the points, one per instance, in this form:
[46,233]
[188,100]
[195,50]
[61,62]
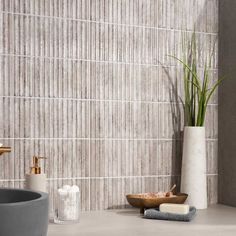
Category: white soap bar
[174,208]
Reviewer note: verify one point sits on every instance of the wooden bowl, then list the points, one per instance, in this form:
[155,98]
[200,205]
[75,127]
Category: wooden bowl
[140,201]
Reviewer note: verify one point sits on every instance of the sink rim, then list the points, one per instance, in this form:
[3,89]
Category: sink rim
[42,196]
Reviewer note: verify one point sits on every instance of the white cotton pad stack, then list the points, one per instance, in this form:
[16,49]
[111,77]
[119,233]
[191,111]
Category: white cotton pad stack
[180,209]
[68,203]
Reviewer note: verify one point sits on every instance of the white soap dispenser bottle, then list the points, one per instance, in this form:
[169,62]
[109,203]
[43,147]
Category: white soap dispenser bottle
[36,180]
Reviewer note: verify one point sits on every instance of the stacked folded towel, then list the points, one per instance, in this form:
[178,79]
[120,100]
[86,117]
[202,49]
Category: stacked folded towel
[176,212]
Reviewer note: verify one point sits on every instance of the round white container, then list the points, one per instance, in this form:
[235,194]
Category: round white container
[67,205]
[193,173]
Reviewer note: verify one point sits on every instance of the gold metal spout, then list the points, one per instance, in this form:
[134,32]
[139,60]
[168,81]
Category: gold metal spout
[4,149]
[36,169]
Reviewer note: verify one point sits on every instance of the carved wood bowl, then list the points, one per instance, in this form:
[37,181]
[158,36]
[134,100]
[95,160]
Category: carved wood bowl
[142,201]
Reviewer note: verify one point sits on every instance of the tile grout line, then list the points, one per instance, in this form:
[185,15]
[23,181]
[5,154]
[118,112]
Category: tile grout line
[89,130]
[94,100]
[104,177]
[99,61]
[105,139]
[108,23]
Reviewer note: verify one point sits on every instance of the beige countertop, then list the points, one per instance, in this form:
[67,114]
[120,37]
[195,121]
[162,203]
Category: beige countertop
[217,220]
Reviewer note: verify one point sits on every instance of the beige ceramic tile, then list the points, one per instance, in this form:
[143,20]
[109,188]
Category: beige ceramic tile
[89,84]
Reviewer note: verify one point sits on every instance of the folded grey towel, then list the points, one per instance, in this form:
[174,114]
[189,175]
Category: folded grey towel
[156,214]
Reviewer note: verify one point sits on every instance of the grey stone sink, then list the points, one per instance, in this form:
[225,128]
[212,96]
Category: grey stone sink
[23,213]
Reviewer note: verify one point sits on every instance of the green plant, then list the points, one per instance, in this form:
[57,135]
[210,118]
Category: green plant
[197,92]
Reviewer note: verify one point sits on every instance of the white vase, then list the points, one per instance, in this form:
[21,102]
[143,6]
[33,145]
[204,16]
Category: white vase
[193,173]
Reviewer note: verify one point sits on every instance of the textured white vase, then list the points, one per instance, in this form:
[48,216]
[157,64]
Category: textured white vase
[193,173]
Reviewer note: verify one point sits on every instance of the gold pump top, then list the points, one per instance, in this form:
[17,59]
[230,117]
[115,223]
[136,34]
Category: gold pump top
[36,169]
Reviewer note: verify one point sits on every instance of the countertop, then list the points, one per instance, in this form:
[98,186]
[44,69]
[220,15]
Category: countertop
[217,220]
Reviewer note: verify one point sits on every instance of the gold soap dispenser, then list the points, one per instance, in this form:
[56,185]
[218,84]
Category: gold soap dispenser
[36,179]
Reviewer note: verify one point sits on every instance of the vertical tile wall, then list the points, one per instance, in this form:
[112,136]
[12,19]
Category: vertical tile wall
[88,84]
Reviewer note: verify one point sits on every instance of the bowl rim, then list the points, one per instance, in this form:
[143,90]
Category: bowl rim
[42,196]
[137,196]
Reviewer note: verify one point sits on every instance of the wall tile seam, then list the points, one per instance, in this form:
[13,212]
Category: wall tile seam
[111,23]
[104,139]
[94,100]
[106,177]
[101,61]
[89,133]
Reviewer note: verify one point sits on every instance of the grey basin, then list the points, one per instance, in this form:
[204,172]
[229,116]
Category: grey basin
[23,213]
